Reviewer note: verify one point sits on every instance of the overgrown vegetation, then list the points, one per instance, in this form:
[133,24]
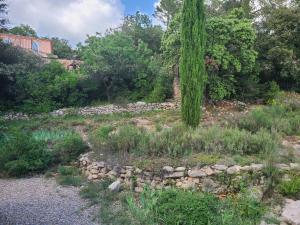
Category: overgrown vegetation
[24,153]
[172,206]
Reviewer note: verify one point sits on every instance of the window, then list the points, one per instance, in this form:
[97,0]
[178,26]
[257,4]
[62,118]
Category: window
[35,46]
[7,40]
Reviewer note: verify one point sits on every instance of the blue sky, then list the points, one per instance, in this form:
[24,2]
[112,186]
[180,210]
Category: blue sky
[145,6]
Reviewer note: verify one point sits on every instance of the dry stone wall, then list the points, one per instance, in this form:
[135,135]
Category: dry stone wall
[206,178]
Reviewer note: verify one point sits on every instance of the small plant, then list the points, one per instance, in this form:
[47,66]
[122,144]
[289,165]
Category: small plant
[69,176]
[290,188]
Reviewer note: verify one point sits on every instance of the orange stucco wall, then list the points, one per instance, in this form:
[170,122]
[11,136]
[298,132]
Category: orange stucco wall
[45,46]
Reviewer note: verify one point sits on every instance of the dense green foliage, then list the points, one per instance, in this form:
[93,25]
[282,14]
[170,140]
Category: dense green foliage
[24,30]
[24,153]
[193,208]
[250,54]
[192,69]
[278,44]
[62,48]
[20,154]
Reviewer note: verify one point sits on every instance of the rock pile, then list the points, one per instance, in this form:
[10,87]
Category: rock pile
[100,110]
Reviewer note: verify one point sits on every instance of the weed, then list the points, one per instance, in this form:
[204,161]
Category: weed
[69,176]
[290,188]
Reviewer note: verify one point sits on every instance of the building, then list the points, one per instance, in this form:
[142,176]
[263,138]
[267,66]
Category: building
[41,46]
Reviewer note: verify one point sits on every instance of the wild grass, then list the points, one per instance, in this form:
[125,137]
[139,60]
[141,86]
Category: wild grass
[69,176]
[290,188]
[180,141]
[175,206]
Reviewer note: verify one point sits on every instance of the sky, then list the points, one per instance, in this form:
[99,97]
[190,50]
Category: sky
[74,19]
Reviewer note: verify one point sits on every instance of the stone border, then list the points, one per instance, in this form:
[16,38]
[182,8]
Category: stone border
[180,176]
[137,107]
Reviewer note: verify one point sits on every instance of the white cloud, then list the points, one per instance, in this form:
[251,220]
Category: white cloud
[69,19]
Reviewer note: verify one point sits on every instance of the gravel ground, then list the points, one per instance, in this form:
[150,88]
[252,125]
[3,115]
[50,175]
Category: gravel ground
[40,201]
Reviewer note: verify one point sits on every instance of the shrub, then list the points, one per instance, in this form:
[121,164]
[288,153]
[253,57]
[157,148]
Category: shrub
[21,154]
[69,148]
[290,188]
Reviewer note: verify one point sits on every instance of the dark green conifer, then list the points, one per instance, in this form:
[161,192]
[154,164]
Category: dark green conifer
[192,67]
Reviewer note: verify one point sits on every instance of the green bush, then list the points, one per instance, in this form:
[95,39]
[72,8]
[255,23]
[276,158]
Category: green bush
[21,154]
[69,148]
[273,118]
[290,188]
[174,206]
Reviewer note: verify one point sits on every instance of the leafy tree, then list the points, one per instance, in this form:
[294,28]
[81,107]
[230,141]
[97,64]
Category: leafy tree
[24,30]
[279,45]
[140,27]
[51,88]
[15,64]
[117,66]
[3,8]
[167,9]
[62,48]
[230,55]
[192,67]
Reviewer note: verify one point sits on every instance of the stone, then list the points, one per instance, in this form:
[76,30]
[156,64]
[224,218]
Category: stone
[98,165]
[256,167]
[295,166]
[282,166]
[175,175]
[138,171]
[197,173]
[95,176]
[168,169]
[233,170]
[291,212]
[220,167]
[180,169]
[208,171]
[246,168]
[138,189]
[94,171]
[115,186]
[208,185]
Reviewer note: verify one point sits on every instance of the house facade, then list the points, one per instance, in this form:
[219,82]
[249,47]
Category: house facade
[43,47]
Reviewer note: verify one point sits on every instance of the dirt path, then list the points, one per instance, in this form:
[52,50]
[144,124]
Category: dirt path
[40,201]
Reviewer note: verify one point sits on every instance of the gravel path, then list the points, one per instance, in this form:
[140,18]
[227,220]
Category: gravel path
[40,201]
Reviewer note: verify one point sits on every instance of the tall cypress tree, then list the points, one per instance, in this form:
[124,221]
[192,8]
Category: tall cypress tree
[192,67]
